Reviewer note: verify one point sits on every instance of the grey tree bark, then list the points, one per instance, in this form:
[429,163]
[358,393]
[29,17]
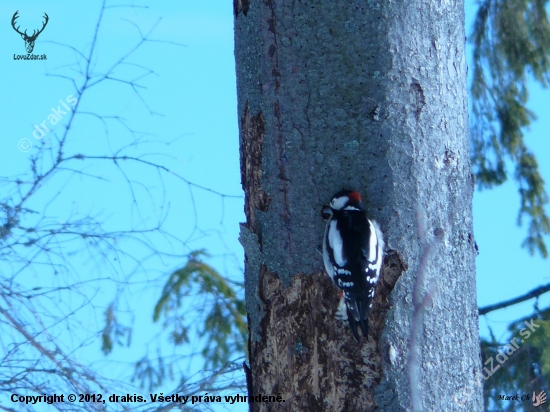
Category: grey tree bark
[370,96]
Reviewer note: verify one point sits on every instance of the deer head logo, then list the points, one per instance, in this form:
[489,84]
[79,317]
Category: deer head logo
[29,40]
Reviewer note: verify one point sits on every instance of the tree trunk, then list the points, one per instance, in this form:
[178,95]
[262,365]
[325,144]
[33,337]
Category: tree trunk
[369,96]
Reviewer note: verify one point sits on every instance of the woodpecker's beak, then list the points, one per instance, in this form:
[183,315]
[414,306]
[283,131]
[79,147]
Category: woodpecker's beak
[326,213]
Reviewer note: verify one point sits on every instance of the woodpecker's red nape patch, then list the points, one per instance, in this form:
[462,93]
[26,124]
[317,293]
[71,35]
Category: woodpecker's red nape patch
[355,197]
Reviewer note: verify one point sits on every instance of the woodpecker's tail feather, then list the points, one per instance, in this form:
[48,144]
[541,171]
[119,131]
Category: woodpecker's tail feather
[360,316]
[353,325]
[364,318]
[358,313]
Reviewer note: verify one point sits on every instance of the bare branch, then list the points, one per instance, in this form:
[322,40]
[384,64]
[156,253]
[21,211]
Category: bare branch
[44,247]
[535,293]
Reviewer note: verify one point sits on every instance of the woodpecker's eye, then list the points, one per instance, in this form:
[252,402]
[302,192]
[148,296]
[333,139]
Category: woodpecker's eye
[326,213]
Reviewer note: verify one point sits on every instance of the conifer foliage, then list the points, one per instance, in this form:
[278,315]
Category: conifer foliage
[511,40]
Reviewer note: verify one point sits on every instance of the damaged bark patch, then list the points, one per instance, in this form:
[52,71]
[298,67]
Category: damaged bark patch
[240,6]
[417,98]
[252,139]
[306,350]
[391,272]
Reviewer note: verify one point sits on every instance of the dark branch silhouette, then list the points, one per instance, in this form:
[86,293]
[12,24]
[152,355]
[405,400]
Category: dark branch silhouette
[535,293]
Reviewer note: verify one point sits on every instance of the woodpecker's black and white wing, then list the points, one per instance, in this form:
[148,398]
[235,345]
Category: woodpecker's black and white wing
[359,290]
[328,254]
[374,250]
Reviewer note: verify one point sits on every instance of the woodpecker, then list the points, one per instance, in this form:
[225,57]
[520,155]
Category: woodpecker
[353,255]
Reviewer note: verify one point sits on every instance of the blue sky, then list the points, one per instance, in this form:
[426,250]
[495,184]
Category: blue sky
[195,133]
